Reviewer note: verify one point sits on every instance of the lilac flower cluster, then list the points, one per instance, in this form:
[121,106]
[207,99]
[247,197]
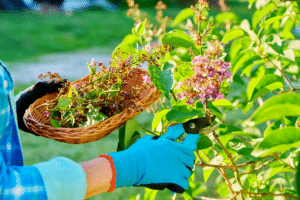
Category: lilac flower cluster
[206,82]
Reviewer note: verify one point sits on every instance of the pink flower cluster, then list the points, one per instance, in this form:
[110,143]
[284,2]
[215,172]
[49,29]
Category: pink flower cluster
[206,82]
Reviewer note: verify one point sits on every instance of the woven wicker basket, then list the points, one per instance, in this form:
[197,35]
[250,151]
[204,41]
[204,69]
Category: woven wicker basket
[36,121]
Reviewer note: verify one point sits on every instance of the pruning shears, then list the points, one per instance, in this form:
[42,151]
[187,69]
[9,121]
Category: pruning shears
[193,126]
[198,125]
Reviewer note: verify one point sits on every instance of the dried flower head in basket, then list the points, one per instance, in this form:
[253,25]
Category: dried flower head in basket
[102,101]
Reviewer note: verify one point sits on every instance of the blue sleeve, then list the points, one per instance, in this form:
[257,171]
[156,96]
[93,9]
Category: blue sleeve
[64,179]
[20,182]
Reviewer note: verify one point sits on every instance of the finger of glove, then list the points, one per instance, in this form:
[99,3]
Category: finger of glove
[173,132]
[187,160]
[186,173]
[190,141]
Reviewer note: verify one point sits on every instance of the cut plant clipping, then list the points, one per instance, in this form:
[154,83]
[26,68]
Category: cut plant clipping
[93,106]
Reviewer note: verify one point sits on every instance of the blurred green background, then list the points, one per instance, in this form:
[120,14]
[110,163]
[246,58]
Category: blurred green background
[26,36]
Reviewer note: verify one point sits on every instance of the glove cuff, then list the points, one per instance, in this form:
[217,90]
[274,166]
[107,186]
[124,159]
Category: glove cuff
[112,164]
[126,169]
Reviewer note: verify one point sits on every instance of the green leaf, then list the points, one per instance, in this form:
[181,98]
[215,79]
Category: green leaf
[158,118]
[178,39]
[185,70]
[298,177]
[279,140]
[223,103]
[245,59]
[276,48]
[277,170]
[236,186]
[270,21]
[126,133]
[139,29]
[294,44]
[272,127]
[130,127]
[54,123]
[232,34]
[182,15]
[162,79]
[259,15]
[204,142]
[290,121]
[124,47]
[134,138]
[71,90]
[150,194]
[175,114]
[286,104]
[207,171]
[63,103]
[93,116]
[289,54]
[235,144]
[223,16]
[245,151]
[248,69]
[266,84]
[131,38]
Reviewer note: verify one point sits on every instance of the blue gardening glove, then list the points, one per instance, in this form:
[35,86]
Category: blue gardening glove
[28,96]
[157,162]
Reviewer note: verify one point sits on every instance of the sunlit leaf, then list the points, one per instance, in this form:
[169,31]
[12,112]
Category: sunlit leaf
[182,15]
[286,104]
[270,21]
[63,103]
[245,59]
[223,16]
[266,84]
[289,54]
[232,34]
[224,103]
[294,44]
[275,125]
[158,117]
[207,171]
[278,140]
[150,194]
[139,29]
[178,38]
[162,79]
[131,38]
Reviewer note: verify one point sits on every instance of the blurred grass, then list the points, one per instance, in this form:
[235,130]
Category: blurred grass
[25,36]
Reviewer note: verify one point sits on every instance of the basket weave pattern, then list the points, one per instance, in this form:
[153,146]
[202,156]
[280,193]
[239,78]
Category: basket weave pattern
[36,121]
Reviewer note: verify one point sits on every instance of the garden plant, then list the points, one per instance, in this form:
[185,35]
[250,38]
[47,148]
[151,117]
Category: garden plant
[196,61]
[255,157]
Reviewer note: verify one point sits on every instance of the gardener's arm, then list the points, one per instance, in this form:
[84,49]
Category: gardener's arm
[98,176]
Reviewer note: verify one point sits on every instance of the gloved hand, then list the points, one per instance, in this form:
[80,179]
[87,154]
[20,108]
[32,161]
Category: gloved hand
[28,96]
[156,163]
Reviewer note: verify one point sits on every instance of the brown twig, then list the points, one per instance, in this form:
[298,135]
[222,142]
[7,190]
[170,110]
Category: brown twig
[282,74]
[223,174]
[259,167]
[261,195]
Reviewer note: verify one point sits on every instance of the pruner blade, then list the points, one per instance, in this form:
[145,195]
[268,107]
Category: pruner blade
[198,125]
